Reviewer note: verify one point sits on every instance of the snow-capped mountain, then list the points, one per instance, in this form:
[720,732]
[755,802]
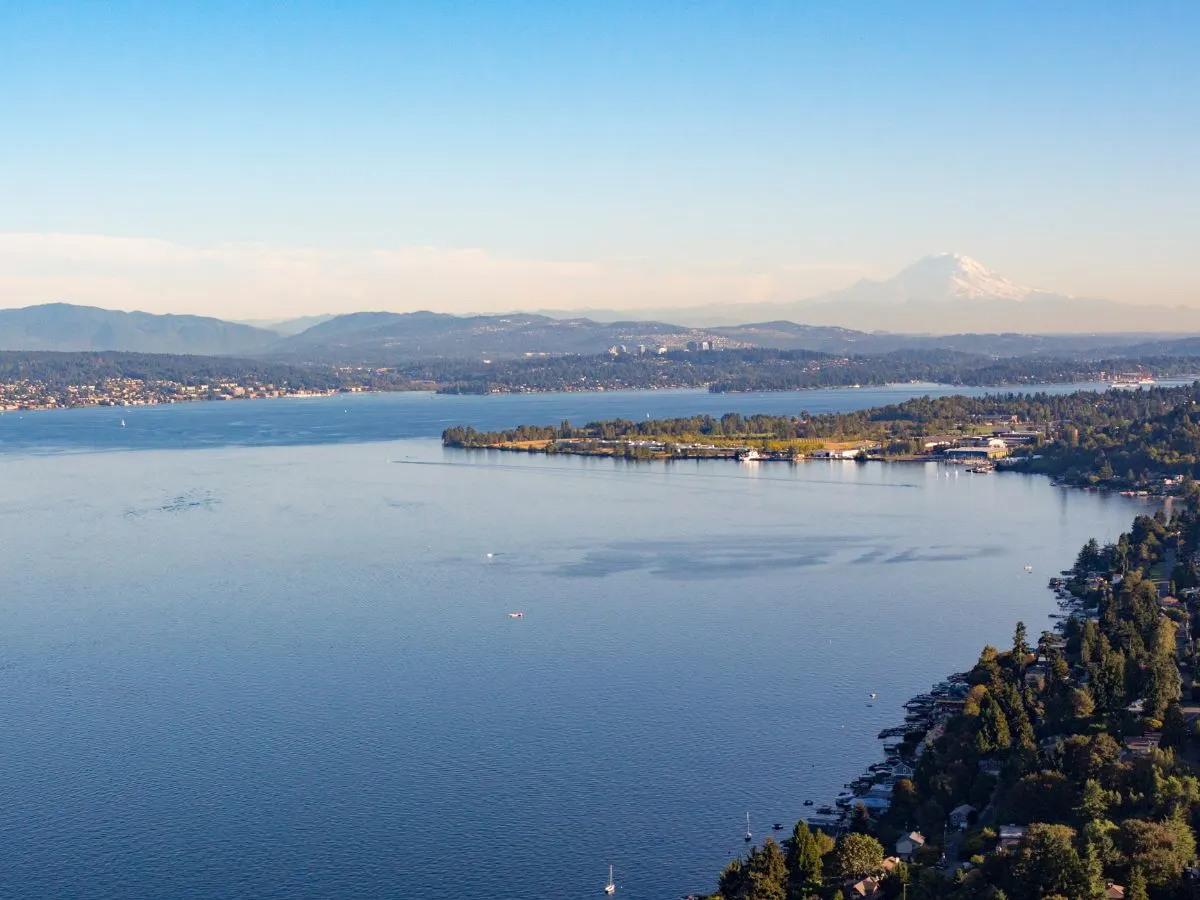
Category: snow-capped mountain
[946,293]
[940,277]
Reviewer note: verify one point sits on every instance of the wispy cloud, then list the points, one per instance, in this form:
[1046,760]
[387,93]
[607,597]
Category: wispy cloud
[263,281]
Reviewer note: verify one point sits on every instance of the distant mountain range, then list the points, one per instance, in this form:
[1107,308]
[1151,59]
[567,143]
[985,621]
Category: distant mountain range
[288,327]
[973,310]
[946,293]
[839,341]
[61,326]
[376,337]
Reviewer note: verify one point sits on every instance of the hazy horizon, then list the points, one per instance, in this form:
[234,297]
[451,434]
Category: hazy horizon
[251,164]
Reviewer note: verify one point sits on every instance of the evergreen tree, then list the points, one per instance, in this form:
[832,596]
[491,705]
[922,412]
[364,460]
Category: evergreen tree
[1136,889]
[1020,646]
[733,882]
[1093,802]
[1162,685]
[1108,687]
[1089,554]
[803,863]
[1098,837]
[1088,639]
[1082,704]
[1048,863]
[767,873]
[1093,872]
[1174,732]
[993,735]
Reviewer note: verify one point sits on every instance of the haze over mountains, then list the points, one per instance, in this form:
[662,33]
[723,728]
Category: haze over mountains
[945,293]
[972,309]
[64,327]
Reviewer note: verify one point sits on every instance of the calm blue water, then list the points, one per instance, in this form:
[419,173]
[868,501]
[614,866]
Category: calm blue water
[354,418]
[278,662]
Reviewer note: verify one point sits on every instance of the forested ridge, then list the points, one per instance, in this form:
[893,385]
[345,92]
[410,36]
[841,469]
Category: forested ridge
[58,370]
[725,371]
[1068,769]
[716,370]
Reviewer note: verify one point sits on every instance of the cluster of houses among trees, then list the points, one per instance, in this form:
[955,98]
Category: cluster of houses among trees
[1068,769]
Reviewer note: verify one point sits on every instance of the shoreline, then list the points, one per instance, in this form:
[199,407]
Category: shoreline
[1006,387]
[732,455]
[925,713]
[960,729]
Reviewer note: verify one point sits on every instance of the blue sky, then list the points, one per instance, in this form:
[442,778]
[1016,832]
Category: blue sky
[271,158]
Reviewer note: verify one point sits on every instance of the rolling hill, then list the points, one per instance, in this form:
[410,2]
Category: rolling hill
[382,337]
[64,327]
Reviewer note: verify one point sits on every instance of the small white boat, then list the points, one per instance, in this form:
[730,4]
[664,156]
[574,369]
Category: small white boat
[611,887]
[749,834]
[516,615]
[1029,568]
[872,695]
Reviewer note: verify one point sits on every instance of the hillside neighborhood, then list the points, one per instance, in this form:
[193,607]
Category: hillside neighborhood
[1064,767]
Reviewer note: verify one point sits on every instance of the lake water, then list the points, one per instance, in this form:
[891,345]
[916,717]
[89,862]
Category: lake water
[277,661]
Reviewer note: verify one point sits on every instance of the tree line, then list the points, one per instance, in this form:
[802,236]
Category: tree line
[760,369]
[1040,745]
[1112,438]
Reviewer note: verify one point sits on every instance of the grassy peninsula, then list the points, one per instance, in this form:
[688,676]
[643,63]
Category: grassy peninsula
[1116,439]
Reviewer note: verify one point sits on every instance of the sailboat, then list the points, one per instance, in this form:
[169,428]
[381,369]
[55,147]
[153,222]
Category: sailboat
[122,423]
[749,834]
[611,887]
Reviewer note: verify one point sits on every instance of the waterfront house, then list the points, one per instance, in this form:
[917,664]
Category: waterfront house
[902,770]
[960,816]
[878,798]
[874,804]
[1010,836]
[1114,891]
[1035,676]
[908,845]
